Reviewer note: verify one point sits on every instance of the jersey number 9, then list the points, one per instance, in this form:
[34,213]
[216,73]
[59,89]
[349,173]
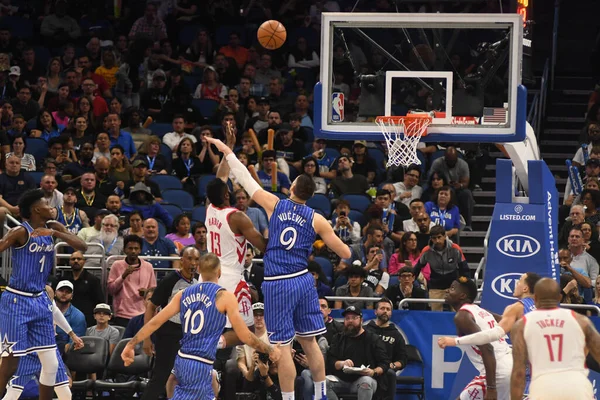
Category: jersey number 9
[288,241]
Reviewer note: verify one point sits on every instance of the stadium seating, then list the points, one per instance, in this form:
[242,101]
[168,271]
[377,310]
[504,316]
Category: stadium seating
[326,267]
[320,203]
[160,129]
[90,359]
[358,202]
[166,182]
[201,184]
[173,209]
[141,365]
[414,385]
[199,213]
[179,197]
[38,148]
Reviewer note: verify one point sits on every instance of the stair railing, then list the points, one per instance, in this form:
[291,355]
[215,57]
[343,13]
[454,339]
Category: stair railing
[554,41]
[481,265]
[543,97]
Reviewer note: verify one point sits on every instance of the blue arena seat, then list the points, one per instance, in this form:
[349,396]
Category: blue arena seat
[357,216]
[326,267]
[358,202]
[38,148]
[166,152]
[173,209]
[199,213]
[166,182]
[188,33]
[160,129]
[37,176]
[280,195]
[321,203]
[334,153]
[379,156]
[207,107]
[179,197]
[201,184]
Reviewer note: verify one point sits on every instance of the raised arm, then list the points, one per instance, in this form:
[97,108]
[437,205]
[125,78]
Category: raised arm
[265,199]
[227,304]
[223,170]
[511,315]
[517,378]
[323,229]
[466,325]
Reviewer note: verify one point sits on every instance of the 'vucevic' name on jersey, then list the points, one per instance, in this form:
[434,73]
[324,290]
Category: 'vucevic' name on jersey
[201,321]
[32,263]
[291,237]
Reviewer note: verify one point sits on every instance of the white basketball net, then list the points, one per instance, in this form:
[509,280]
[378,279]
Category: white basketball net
[402,134]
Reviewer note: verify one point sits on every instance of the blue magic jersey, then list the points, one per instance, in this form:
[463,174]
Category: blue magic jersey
[291,238]
[32,263]
[202,323]
[72,223]
[528,304]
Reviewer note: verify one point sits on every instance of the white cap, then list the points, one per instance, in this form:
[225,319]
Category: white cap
[15,70]
[102,307]
[63,284]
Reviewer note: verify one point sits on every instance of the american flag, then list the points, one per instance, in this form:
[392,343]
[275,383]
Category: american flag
[493,116]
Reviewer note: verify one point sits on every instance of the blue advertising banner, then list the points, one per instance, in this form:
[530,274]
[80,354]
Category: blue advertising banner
[447,371]
[523,236]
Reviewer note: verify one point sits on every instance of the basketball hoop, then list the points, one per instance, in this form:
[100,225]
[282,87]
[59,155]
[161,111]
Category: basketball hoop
[402,134]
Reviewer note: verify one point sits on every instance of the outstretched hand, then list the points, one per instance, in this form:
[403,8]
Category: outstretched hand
[222,147]
[445,341]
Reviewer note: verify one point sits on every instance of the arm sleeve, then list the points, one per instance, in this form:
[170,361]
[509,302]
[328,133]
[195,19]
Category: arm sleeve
[482,337]
[243,176]
[59,318]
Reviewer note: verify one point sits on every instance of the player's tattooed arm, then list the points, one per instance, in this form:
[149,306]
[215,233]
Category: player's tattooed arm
[519,351]
[60,232]
[592,338]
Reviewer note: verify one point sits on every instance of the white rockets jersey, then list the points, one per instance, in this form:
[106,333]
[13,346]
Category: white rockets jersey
[555,342]
[229,247]
[485,321]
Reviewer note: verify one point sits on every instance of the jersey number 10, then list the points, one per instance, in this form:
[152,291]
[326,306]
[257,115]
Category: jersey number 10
[194,321]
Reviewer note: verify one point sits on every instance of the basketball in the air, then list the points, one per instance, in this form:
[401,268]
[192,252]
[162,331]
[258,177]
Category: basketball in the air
[271,34]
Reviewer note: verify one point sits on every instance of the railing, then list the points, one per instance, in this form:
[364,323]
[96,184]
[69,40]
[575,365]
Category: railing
[581,307]
[481,265]
[101,257]
[350,298]
[554,41]
[537,109]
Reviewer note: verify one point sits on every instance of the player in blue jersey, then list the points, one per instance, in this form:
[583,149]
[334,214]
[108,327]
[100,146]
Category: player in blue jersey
[291,300]
[203,309]
[513,313]
[25,310]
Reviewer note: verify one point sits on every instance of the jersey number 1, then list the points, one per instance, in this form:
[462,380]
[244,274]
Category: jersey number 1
[215,243]
[42,261]
[550,339]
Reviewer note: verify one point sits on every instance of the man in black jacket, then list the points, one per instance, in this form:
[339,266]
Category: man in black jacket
[357,358]
[393,342]
[406,289]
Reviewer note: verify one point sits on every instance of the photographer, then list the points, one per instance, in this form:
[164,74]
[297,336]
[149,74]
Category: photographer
[346,229]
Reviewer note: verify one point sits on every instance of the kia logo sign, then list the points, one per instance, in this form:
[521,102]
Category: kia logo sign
[518,246]
[504,285]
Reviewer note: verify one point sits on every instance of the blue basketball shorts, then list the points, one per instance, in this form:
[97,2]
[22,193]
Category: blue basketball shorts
[30,367]
[194,380]
[292,308]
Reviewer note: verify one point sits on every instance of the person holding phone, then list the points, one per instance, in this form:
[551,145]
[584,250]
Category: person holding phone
[343,226]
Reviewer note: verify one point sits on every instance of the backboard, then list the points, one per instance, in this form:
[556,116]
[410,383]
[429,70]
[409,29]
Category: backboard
[464,69]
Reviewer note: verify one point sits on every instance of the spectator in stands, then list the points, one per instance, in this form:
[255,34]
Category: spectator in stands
[59,28]
[187,166]
[309,167]
[172,139]
[140,175]
[265,71]
[149,26]
[46,126]
[127,281]
[407,253]
[322,287]
[565,258]
[265,174]
[208,154]
[301,107]
[234,50]
[343,226]
[446,261]
[150,152]
[13,182]
[326,162]
[154,99]
[570,290]
[88,233]
[362,163]
[377,278]
[443,212]
[258,218]
[18,148]
[374,216]
[99,105]
[109,239]
[289,149]
[102,148]
[136,323]
[594,138]
[104,183]
[409,189]
[391,221]
[416,208]
[170,333]
[75,318]
[278,98]
[48,185]
[253,273]
[352,348]
[30,70]
[87,289]
[347,182]
[113,204]
[120,170]
[24,104]
[354,288]
[436,181]
[581,258]
[210,88]
[84,164]
[154,245]
[89,199]
[141,199]
[180,232]
[117,136]
[108,68]
[592,246]
[394,345]
[18,126]
[374,237]
[199,231]
[457,171]
[577,217]
[134,220]
[405,289]
[103,314]
[67,214]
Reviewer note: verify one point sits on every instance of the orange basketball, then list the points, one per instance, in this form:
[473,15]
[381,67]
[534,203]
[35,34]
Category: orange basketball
[271,34]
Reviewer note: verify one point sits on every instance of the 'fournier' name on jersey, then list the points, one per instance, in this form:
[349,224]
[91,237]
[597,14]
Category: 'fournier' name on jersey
[197,298]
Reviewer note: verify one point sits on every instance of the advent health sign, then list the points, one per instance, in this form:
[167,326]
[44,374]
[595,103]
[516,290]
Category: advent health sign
[523,236]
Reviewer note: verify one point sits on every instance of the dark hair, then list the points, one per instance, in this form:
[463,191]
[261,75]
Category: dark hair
[468,287]
[118,147]
[384,300]
[38,123]
[451,202]
[133,238]
[342,202]
[355,270]
[413,167]
[314,266]
[592,113]
[440,175]
[403,251]
[374,212]
[306,160]
[415,201]
[269,154]
[198,225]
[437,230]
[135,212]
[193,153]
[576,228]
[54,141]
[215,192]
[531,279]
[178,219]
[382,192]
[21,136]
[295,117]
[595,194]
[372,228]
[406,269]
[177,116]
[28,200]
[304,187]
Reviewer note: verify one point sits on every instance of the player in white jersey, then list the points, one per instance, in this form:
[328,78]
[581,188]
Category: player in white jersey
[228,231]
[554,342]
[493,360]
